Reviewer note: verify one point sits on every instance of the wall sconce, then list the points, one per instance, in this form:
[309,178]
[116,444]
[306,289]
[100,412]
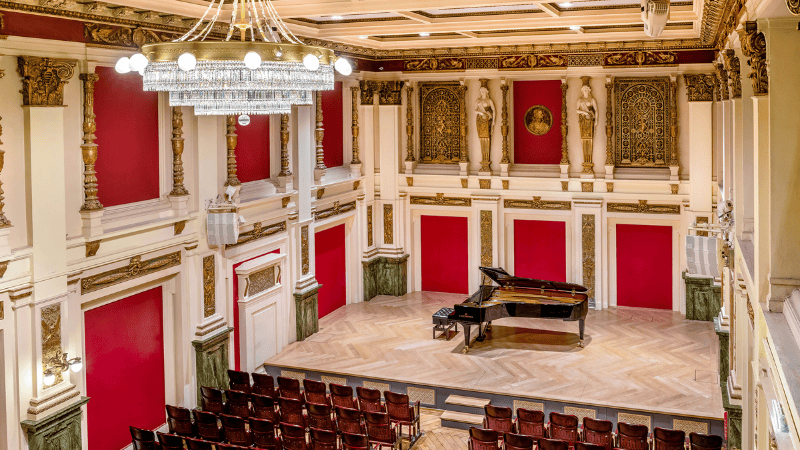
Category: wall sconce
[61,364]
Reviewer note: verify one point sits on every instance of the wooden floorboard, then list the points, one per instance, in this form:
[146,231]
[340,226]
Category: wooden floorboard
[635,358]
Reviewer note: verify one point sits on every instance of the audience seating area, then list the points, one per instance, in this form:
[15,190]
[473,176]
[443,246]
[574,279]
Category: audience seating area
[564,432]
[290,417]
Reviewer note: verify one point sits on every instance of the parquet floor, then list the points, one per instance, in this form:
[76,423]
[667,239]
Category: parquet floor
[634,358]
[436,437]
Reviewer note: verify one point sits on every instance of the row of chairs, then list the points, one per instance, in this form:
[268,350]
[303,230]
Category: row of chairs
[566,428]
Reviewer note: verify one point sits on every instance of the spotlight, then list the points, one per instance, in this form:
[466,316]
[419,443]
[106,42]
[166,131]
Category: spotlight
[138,62]
[123,65]
[311,62]
[187,62]
[343,66]
[252,60]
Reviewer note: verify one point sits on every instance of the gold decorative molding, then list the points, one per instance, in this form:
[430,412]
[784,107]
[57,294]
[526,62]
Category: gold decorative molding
[722,81]
[643,208]
[673,188]
[369,226]
[504,125]
[588,239]
[261,281]
[564,127]
[441,200]
[442,123]
[410,181]
[587,186]
[89,149]
[209,286]
[673,122]
[335,210]
[104,34]
[702,220]
[304,260]
[177,152]
[531,61]
[793,6]
[464,183]
[754,46]
[538,203]
[320,193]
[356,159]
[435,64]
[750,312]
[485,184]
[388,224]
[259,231]
[319,134]
[135,269]
[734,72]
[179,227]
[565,186]
[610,122]
[232,140]
[2,309]
[51,341]
[409,123]
[640,58]
[285,172]
[538,120]
[4,222]
[356,184]
[486,238]
[389,92]
[43,79]
[3,268]
[506,184]
[609,186]
[699,87]
[643,127]
[92,248]
[285,201]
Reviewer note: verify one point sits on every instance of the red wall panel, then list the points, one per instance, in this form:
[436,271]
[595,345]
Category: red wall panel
[124,357]
[333,139]
[43,27]
[252,151]
[127,134]
[644,266]
[529,148]
[331,273]
[540,249]
[444,258]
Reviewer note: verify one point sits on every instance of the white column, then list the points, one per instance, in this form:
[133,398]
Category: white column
[700,135]
[304,151]
[761,226]
[727,150]
[388,138]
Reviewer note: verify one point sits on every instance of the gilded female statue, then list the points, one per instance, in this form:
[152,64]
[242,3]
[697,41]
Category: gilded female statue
[587,118]
[484,106]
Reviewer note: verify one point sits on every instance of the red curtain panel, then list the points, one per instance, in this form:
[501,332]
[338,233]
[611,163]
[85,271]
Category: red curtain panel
[333,139]
[331,269]
[644,266]
[540,249]
[444,254]
[252,149]
[528,147]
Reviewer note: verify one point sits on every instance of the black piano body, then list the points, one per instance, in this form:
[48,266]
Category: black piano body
[520,297]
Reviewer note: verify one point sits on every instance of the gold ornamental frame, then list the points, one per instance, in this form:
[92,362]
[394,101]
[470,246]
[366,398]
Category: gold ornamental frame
[442,121]
[644,122]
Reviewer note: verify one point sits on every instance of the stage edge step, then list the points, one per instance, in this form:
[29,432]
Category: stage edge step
[461,420]
[465,404]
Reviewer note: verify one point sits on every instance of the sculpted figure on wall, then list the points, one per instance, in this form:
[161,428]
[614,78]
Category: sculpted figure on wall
[587,119]
[484,121]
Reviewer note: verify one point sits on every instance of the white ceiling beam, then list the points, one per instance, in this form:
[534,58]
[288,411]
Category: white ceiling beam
[414,16]
[550,9]
[468,34]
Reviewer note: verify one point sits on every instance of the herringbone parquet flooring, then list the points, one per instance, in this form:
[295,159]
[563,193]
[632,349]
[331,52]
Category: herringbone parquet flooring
[436,437]
[634,358]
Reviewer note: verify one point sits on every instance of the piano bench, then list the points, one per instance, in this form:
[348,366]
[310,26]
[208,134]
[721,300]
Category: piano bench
[442,323]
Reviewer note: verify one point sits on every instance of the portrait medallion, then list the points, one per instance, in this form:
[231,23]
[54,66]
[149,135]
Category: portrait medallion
[538,120]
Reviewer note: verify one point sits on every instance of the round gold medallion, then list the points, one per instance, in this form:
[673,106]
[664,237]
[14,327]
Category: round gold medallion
[538,120]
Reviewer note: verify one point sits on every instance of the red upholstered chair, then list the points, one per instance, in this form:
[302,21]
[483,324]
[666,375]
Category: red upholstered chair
[207,426]
[291,412]
[238,403]
[231,447]
[369,400]
[563,427]
[170,441]
[263,384]
[380,432]
[143,439]
[342,396]
[498,418]
[320,417]
[198,444]
[530,423]
[290,388]
[355,441]
[235,431]
[316,392]
[293,437]
[698,441]
[263,432]
[553,444]
[211,400]
[402,413]
[632,437]
[263,407]
[513,441]
[482,439]
[599,432]
[587,446]
[348,420]
[180,421]
[665,439]
[239,381]
[323,440]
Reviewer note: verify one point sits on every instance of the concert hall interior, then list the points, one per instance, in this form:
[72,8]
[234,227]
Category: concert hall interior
[439,224]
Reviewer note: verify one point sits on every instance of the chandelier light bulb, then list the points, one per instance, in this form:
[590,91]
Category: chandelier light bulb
[76,366]
[311,62]
[138,62]
[123,65]
[187,62]
[424,34]
[252,60]
[343,66]
[48,379]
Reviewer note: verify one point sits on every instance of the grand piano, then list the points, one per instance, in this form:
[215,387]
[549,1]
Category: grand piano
[511,296]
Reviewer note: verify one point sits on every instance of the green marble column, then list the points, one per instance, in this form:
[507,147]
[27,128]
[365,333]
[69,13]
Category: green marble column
[703,298]
[385,276]
[58,431]
[734,412]
[306,302]
[212,363]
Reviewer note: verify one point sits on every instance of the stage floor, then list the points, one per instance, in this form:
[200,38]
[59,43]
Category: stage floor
[635,358]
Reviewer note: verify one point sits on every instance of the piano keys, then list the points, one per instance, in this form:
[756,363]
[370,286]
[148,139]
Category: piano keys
[512,296]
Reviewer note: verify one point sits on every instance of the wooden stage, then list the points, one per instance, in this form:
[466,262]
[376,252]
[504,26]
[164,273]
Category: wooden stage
[635,359]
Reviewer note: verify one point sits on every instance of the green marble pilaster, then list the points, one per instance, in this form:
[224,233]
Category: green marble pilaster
[385,276]
[58,431]
[212,363]
[307,304]
[703,298]
[734,412]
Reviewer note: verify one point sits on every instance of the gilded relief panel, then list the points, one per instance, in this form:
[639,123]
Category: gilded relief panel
[486,238]
[587,234]
[209,287]
[51,339]
[369,226]
[643,121]
[388,224]
[442,116]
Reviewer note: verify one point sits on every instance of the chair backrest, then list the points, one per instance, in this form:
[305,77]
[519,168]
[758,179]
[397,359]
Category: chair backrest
[699,441]
[238,403]
[180,421]
[235,431]
[239,381]
[211,400]
[517,442]
[323,439]
[143,439]
[482,439]
[207,427]
[599,432]
[553,444]
[231,447]
[369,399]
[293,437]
[263,384]
[666,439]
[316,392]
[588,446]
[397,406]
[198,444]
[319,416]
[498,418]
[348,420]
[632,437]
[263,407]
[378,428]
[289,388]
[170,441]
[263,432]
[354,441]
[291,411]
[530,422]
[342,396]
[563,427]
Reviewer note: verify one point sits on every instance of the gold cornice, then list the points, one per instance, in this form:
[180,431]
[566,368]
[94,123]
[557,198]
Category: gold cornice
[259,231]
[643,208]
[538,203]
[335,210]
[441,200]
[136,268]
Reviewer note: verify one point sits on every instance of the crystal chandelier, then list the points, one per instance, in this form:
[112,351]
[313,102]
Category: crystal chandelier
[266,71]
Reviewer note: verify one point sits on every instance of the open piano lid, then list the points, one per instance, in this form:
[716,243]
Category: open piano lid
[503,278]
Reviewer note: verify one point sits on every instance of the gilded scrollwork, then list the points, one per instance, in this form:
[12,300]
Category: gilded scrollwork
[640,58]
[285,172]
[588,238]
[699,87]
[43,79]
[754,46]
[442,123]
[794,6]
[643,208]
[734,72]
[304,259]
[431,64]
[389,92]
[538,203]
[722,81]
[609,122]
[231,141]
[369,226]
[51,340]
[486,238]
[104,34]
[136,268]
[410,123]
[177,152]
[259,231]
[335,210]
[89,148]
[388,224]
[261,281]
[319,134]
[356,159]
[643,122]
[4,222]
[209,286]
[504,126]
[91,248]
[441,200]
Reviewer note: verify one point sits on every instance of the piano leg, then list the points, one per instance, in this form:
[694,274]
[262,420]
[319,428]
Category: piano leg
[466,338]
[482,332]
[581,324]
